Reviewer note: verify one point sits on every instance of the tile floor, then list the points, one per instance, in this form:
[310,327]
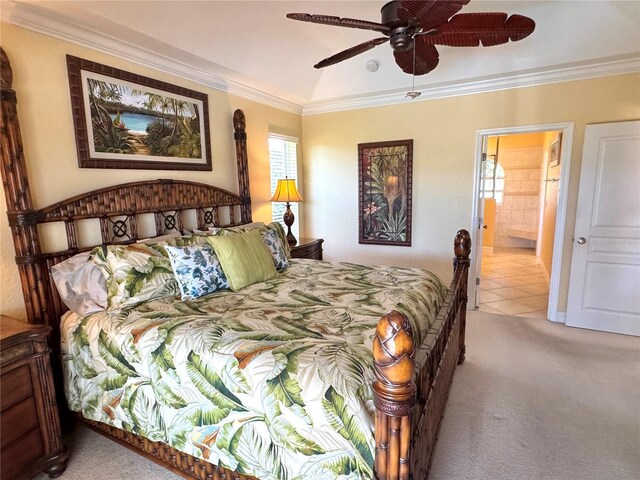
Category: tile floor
[513,285]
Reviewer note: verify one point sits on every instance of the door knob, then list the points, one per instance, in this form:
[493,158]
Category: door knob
[581,241]
[484,226]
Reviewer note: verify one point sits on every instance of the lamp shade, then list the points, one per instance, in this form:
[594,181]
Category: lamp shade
[286,191]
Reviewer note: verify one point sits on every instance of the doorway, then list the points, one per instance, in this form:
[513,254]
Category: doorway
[519,201]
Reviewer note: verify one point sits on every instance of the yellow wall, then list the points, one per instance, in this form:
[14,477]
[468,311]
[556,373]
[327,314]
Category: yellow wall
[489,220]
[44,108]
[518,140]
[444,134]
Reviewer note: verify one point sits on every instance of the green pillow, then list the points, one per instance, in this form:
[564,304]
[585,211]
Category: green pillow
[244,257]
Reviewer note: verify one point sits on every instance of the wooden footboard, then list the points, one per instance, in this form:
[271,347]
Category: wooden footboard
[395,358]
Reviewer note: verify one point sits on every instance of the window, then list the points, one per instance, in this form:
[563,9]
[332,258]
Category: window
[283,157]
[493,185]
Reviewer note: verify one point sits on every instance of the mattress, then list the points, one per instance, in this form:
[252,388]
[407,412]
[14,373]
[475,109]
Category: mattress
[273,381]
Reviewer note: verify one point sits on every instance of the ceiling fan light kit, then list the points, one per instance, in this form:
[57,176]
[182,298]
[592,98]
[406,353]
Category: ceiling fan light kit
[414,28]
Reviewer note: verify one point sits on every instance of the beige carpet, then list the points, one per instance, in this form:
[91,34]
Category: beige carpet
[534,400]
[537,400]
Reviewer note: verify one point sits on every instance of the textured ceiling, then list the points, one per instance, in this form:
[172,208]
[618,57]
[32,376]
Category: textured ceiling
[253,46]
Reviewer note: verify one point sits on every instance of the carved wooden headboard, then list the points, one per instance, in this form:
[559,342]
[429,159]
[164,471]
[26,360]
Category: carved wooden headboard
[119,210]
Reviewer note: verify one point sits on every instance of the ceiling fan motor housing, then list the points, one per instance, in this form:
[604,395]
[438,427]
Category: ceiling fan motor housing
[401,39]
[400,33]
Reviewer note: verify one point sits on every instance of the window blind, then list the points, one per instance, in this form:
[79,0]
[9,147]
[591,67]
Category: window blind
[283,159]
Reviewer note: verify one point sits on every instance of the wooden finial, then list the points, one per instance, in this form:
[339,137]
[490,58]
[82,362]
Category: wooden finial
[6,74]
[239,121]
[462,246]
[393,359]
[240,137]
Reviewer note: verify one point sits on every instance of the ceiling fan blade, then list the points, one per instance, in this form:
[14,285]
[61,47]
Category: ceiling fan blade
[427,57]
[430,13]
[339,22]
[488,29]
[350,52]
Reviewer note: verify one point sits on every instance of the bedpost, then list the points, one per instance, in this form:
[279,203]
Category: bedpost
[462,250]
[240,136]
[22,217]
[394,395]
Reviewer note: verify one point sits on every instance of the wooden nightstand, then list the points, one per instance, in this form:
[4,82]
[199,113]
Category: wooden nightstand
[308,248]
[29,424]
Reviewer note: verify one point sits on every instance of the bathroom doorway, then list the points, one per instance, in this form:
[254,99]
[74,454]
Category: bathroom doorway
[519,183]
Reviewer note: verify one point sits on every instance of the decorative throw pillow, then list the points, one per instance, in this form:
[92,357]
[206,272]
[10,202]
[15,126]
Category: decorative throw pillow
[244,257]
[135,273]
[186,240]
[279,229]
[273,242]
[81,284]
[197,270]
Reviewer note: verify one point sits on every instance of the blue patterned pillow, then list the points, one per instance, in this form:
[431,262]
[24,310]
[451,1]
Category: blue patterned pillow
[273,242]
[197,270]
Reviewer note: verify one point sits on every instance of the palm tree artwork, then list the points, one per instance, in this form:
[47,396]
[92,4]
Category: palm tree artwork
[135,121]
[385,192]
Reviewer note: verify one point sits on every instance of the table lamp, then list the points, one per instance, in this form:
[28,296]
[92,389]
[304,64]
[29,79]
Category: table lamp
[286,191]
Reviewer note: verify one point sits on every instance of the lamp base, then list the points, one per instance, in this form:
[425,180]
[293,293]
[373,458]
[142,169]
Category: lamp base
[288,218]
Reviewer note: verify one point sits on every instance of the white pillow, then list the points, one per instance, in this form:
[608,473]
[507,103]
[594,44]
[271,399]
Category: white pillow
[81,284]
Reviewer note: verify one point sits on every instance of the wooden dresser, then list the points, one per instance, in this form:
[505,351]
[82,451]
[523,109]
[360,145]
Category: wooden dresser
[308,248]
[31,441]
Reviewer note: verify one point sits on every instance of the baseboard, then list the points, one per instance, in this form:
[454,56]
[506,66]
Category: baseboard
[560,317]
[547,277]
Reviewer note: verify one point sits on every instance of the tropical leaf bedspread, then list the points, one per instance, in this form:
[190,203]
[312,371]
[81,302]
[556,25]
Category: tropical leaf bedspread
[273,381]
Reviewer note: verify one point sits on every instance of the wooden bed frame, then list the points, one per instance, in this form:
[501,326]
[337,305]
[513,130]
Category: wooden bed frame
[409,407]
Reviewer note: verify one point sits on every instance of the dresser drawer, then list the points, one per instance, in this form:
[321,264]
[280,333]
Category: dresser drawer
[17,421]
[15,386]
[17,458]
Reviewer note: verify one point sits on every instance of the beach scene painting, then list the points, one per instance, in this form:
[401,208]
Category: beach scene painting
[131,124]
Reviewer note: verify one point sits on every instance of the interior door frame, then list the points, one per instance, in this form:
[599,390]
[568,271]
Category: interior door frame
[561,213]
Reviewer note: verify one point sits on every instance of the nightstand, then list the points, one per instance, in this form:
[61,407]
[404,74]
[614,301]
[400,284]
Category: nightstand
[308,248]
[30,435]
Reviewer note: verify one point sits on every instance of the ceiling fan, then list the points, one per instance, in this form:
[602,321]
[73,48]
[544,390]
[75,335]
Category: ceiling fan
[414,28]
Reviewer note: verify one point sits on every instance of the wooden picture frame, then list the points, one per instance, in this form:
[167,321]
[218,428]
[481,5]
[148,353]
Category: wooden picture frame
[385,173]
[125,120]
[555,151]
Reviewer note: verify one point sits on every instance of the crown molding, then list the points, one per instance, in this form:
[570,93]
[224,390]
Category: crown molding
[617,65]
[58,27]
[204,73]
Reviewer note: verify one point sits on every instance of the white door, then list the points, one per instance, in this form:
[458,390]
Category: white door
[480,226]
[604,287]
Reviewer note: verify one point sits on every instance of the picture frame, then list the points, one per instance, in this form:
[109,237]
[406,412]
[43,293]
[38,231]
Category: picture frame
[385,177]
[125,120]
[554,151]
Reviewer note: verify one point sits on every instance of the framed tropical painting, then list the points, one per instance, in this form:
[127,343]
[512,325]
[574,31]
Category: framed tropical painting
[125,120]
[385,172]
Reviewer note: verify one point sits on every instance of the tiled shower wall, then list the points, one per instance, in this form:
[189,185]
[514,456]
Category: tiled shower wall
[517,218]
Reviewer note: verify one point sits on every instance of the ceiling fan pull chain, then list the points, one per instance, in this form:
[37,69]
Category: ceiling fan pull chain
[413,94]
